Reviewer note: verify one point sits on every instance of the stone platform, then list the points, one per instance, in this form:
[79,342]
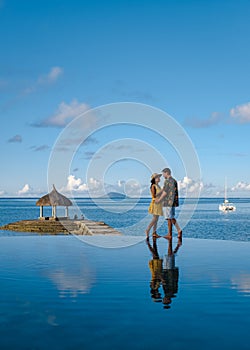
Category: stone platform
[77,227]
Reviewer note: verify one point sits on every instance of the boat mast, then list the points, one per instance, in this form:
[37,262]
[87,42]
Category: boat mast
[225,189]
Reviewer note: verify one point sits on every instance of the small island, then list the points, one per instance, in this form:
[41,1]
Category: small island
[59,225]
[116,196]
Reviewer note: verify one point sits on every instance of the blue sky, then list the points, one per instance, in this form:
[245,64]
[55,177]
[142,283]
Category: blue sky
[190,59]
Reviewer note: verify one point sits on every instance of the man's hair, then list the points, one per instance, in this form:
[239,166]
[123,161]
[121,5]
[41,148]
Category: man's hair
[167,170]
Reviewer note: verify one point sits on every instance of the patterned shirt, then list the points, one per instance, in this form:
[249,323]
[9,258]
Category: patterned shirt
[171,188]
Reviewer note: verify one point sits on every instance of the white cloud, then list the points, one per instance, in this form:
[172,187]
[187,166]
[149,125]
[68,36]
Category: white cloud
[43,80]
[64,114]
[2,193]
[241,114]
[213,119]
[120,183]
[94,187]
[186,181]
[133,188]
[241,186]
[25,190]
[190,187]
[93,182]
[51,77]
[75,184]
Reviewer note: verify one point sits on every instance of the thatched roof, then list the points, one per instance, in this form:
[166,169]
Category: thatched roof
[54,198]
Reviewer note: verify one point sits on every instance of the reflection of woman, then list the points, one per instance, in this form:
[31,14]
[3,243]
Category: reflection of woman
[155,266]
[155,208]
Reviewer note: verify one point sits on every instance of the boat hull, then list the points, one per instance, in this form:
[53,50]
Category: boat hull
[227,207]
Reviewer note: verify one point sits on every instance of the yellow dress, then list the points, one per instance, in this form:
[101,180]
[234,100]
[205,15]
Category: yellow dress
[155,266]
[155,208]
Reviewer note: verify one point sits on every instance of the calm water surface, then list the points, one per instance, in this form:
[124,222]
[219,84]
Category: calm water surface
[57,292]
[60,293]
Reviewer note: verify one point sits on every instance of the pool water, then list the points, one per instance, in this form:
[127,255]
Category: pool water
[58,292]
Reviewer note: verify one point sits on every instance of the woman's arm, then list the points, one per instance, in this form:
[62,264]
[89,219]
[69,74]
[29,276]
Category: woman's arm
[163,195]
[159,193]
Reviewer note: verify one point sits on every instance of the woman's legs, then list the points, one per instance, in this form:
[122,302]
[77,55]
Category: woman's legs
[153,224]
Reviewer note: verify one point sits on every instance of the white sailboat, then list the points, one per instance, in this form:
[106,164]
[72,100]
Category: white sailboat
[226,205]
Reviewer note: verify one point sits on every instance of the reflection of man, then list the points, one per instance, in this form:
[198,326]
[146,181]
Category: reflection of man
[155,266]
[170,200]
[170,275]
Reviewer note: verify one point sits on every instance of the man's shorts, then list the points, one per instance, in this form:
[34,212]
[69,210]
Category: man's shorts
[169,212]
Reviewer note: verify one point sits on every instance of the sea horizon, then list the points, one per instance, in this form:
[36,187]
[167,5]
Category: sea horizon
[199,218]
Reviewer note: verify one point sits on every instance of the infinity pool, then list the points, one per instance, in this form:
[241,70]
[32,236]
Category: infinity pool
[58,292]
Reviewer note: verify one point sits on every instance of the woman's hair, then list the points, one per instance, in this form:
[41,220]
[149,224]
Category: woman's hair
[153,183]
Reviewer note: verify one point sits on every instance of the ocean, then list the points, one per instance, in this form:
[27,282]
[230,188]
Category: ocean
[131,216]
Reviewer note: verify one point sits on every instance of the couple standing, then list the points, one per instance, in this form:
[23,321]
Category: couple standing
[163,199]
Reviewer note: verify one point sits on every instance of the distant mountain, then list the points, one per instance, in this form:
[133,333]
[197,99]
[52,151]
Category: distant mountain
[115,195]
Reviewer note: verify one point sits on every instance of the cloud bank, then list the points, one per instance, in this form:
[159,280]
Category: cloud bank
[190,187]
[241,187]
[239,114]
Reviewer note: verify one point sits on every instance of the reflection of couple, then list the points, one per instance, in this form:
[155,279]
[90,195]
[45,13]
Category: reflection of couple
[165,199]
[163,272]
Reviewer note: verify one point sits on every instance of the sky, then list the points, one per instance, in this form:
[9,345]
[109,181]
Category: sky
[188,59]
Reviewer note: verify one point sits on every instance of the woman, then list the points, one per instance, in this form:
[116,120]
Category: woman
[155,208]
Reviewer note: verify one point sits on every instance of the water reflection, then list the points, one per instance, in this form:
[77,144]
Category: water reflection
[241,283]
[72,283]
[71,275]
[164,273]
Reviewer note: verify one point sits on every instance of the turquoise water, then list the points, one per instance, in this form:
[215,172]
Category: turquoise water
[207,221]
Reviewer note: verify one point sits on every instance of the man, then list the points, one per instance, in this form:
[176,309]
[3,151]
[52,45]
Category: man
[170,200]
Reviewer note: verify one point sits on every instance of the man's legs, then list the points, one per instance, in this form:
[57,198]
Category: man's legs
[174,221]
[169,213]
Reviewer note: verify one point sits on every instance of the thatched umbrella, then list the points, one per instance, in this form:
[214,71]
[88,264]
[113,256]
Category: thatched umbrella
[54,199]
